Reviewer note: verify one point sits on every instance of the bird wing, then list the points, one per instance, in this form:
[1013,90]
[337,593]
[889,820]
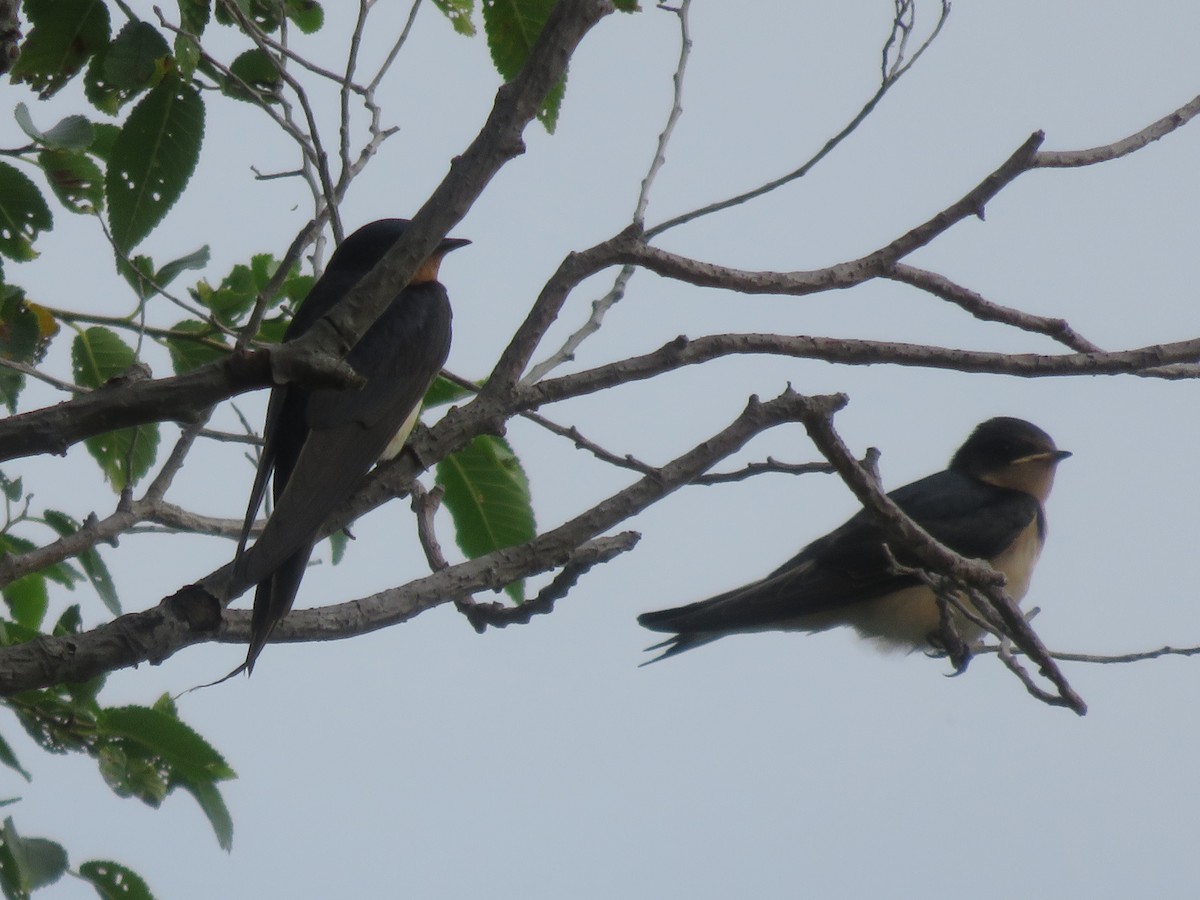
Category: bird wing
[849,564]
[329,439]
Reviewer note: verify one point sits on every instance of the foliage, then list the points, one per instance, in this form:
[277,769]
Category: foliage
[125,163]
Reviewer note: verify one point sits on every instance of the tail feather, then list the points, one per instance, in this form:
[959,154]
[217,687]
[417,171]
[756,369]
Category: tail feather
[679,643]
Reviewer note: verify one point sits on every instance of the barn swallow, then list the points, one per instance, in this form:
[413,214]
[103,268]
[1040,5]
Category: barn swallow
[320,443]
[987,505]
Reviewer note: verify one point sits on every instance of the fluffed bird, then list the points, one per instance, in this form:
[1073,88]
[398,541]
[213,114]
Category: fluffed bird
[320,443]
[987,505]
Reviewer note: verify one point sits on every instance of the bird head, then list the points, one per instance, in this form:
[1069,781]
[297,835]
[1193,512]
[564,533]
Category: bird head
[365,247]
[1010,453]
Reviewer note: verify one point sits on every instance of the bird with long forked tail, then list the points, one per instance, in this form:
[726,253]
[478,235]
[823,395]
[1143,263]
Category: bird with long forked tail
[987,505]
[319,443]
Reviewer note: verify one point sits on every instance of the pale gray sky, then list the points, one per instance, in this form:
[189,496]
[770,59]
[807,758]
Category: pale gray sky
[539,761]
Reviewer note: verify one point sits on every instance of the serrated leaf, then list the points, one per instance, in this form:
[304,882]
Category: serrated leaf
[214,808]
[98,354]
[487,495]
[114,881]
[65,33]
[125,455]
[512,27]
[190,755]
[89,559]
[459,13]
[75,179]
[153,159]
[27,864]
[256,77]
[23,214]
[105,137]
[25,331]
[137,59]
[72,133]
[8,758]
[307,15]
[194,15]
[186,354]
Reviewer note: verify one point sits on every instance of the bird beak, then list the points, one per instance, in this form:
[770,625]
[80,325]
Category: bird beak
[1045,456]
[450,243]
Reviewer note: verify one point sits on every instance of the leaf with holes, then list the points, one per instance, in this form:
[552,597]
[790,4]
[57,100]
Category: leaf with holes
[137,59]
[65,33]
[459,13]
[153,159]
[98,355]
[75,179]
[487,494]
[114,881]
[23,214]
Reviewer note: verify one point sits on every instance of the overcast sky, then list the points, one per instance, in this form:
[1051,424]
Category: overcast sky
[539,761]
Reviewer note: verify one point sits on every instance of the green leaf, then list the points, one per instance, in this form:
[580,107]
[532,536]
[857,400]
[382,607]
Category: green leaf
[72,133]
[114,881]
[105,139]
[337,546]
[194,15]
[487,494]
[23,214]
[264,13]
[137,59]
[27,864]
[27,597]
[307,15]
[190,755]
[75,179]
[459,13]
[195,260]
[187,354]
[512,27]
[70,622]
[8,758]
[65,33]
[25,332]
[627,6]
[12,488]
[97,355]
[93,566]
[213,805]
[153,159]
[133,774]
[138,272]
[257,77]
[442,392]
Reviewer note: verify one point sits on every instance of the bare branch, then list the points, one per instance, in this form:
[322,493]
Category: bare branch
[1061,159]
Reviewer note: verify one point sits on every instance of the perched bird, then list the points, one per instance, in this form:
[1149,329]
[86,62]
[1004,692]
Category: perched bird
[986,505]
[320,443]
